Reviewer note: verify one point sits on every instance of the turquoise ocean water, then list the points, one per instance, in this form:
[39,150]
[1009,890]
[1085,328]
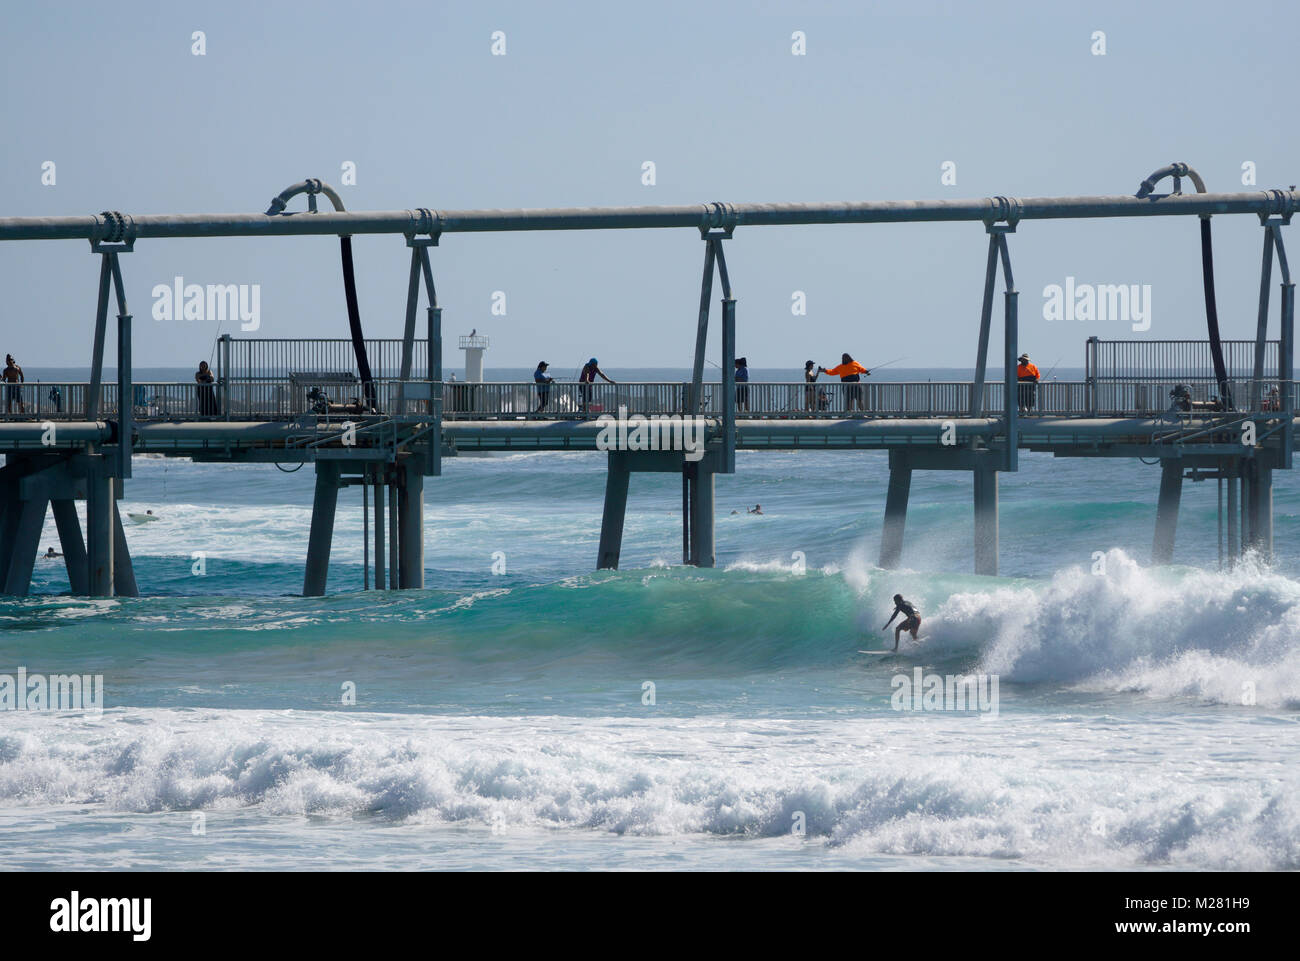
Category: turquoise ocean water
[1147,717]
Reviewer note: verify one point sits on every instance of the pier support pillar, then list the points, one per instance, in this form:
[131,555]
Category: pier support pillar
[986,521]
[1258,502]
[100,512]
[1234,515]
[410,520]
[72,544]
[896,496]
[699,509]
[22,545]
[1171,490]
[322,528]
[123,573]
[380,583]
[611,522]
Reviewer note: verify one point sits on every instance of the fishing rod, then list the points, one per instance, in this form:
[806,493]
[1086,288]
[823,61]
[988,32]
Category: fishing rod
[886,364]
[1054,366]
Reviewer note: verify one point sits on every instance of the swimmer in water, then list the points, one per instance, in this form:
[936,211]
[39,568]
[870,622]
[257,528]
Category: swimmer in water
[911,619]
[51,553]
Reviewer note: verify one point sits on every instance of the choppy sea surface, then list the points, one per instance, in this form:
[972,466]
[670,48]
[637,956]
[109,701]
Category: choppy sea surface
[525,711]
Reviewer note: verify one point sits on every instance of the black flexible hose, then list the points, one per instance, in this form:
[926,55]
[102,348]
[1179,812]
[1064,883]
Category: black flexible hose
[354,322]
[1212,315]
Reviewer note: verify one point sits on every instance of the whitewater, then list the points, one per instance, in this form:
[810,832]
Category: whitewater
[525,711]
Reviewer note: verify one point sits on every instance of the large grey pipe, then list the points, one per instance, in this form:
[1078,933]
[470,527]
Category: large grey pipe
[114,227]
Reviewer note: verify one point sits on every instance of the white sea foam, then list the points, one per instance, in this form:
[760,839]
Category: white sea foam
[930,786]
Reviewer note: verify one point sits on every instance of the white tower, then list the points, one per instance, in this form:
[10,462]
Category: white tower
[474,344]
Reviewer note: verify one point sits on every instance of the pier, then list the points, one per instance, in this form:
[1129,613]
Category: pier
[379,414]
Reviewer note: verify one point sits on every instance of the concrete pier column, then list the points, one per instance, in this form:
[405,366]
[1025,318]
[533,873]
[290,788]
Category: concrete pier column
[72,544]
[896,496]
[123,573]
[701,515]
[1171,490]
[379,529]
[393,565]
[10,511]
[410,519]
[99,527]
[986,521]
[1234,544]
[611,522]
[321,537]
[23,545]
[1257,509]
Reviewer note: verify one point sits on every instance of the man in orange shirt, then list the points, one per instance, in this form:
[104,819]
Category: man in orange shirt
[1027,376]
[850,371]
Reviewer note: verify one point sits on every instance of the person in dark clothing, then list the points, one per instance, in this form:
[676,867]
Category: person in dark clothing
[543,382]
[207,395]
[911,619]
[13,378]
[810,374]
[742,383]
[587,380]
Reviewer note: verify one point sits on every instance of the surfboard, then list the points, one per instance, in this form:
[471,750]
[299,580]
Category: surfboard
[877,652]
[142,518]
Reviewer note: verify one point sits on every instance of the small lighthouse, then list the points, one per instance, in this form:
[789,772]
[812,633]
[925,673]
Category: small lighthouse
[474,344]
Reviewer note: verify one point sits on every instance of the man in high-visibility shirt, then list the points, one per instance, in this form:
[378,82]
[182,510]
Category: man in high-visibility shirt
[1027,376]
[850,372]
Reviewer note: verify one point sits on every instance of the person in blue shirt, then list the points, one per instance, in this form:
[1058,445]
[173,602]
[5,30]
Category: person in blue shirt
[543,383]
[742,383]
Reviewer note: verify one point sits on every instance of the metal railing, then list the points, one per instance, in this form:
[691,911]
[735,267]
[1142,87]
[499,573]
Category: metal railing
[290,397]
[255,359]
[1128,359]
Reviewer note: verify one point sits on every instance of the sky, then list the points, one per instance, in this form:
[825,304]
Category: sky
[1015,95]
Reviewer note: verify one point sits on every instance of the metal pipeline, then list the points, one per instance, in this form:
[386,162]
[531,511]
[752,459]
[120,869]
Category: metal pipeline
[115,227]
[1178,171]
[311,186]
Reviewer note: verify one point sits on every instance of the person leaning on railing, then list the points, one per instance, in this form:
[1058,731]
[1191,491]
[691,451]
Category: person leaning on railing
[587,380]
[849,371]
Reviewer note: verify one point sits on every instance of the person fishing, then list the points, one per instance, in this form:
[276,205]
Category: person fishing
[911,619]
[587,381]
[543,382]
[1027,376]
[849,371]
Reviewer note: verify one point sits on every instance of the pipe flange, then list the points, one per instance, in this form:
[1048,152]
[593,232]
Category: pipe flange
[1004,209]
[424,221]
[113,232]
[718,216]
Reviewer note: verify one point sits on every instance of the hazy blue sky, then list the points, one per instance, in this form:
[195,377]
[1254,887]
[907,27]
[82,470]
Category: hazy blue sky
[710,92]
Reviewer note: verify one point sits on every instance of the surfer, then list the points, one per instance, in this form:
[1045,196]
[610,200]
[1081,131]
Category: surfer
[758,509]
[51,553]
[911,619]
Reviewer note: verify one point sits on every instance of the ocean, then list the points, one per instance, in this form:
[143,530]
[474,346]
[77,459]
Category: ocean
[525,711]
